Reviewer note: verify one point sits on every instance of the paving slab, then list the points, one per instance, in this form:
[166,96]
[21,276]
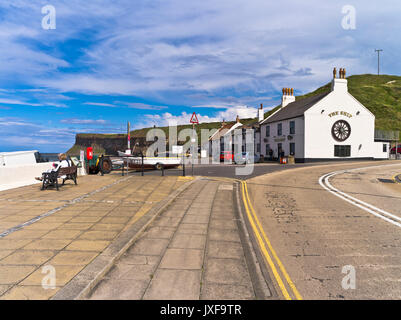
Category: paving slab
[213,291]
[174,285]
[188,241]
[182,259]
[160,232]
[149,246]
[226,271]
[29,293]
[193,228]
[119,290]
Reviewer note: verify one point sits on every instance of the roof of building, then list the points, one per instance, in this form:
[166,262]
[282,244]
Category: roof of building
[295,109]
[254,125]
[222,131]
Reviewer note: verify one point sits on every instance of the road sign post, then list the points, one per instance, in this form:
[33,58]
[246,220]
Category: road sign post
[194,120]
[128,135]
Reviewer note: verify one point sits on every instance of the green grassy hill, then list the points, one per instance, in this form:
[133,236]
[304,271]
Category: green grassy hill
[380,94]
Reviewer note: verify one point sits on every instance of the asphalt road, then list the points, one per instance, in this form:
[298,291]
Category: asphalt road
[233,171]
[330,247]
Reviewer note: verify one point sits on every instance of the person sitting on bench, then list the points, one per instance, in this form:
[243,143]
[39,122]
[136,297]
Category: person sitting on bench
[63,164]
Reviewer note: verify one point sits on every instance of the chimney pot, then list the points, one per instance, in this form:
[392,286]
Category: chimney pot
[334,73]
[237,119]
[261,106]
[340,84]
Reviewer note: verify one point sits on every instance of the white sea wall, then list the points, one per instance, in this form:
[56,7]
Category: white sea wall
[15,176]
[17,158]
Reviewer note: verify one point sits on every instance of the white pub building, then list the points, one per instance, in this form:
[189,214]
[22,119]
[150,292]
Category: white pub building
[327,126]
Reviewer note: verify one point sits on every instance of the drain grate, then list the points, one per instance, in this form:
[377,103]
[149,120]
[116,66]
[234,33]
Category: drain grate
[386,180]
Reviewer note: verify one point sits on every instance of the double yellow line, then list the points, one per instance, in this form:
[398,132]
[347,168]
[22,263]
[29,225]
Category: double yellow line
[263,240]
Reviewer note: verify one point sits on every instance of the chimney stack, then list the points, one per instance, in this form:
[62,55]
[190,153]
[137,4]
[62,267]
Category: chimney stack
[341,83]
[261,115]
[288,97]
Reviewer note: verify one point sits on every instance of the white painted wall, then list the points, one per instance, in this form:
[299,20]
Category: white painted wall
[319,142]
[379,153]
[274,139]
[17,158]
[21,175]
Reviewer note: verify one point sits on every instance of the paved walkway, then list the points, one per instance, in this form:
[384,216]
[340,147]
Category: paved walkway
[192,251]
[69,228]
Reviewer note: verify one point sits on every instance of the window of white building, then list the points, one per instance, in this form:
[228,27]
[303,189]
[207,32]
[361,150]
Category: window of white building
[342,151]
[292,148]
[292,127]
[279,129]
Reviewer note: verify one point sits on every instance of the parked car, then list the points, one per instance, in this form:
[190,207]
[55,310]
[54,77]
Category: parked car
[245,157]
[392,151]
[226,156]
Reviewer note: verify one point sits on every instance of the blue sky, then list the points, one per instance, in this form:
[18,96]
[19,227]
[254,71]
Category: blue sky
[151,62]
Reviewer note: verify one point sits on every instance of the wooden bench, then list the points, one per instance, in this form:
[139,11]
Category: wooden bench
[51,178]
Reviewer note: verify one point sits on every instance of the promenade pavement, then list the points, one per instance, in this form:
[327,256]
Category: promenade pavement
[68,229]
[193,250]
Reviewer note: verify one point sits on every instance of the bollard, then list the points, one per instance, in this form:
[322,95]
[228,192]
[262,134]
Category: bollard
[162,170]
[101,165]
[183,169]
[122,168]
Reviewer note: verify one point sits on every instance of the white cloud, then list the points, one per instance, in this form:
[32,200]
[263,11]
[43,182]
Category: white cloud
[167,118]
[100,104]
[83,121]
[149,48]
[140,106]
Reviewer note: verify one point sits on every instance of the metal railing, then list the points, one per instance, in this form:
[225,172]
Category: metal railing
[138,161]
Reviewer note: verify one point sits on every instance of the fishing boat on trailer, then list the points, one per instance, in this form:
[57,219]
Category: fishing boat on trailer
[135,162]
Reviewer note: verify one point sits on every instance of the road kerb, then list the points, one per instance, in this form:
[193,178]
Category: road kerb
[262,283]
[262,239]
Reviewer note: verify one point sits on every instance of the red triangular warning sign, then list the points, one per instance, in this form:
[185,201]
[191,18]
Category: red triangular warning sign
[194,119]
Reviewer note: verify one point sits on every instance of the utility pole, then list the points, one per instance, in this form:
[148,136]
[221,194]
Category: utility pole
[378,60]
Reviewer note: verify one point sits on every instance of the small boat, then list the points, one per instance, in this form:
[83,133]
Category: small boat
[135,162]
